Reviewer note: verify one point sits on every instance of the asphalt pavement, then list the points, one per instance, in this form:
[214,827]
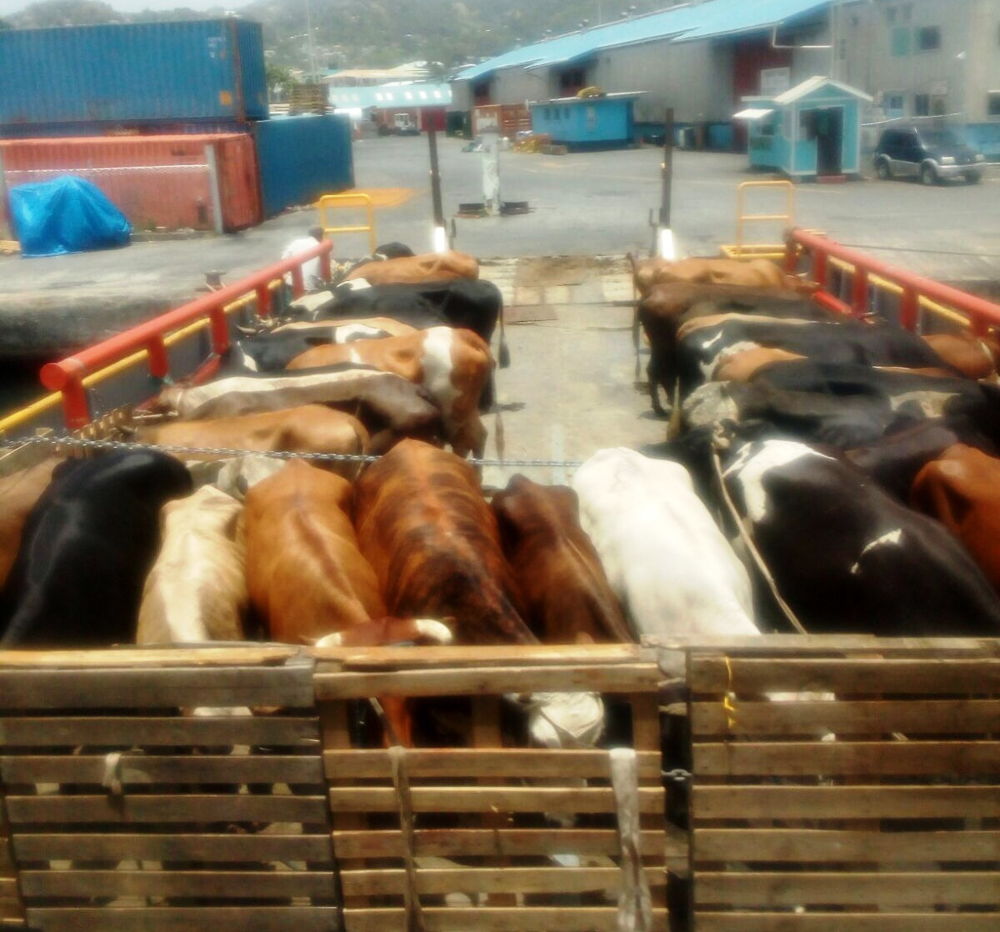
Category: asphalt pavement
[597,203]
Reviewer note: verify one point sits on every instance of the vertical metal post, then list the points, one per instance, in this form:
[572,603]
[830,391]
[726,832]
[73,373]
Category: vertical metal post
[665,246]
[213,184]
[6,224]
[440,236]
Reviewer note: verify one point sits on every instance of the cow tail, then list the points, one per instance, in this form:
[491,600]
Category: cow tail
[498,433]
[674,427]
[503,354]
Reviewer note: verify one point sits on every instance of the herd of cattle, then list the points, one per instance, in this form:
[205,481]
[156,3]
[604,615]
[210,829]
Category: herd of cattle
[858,457]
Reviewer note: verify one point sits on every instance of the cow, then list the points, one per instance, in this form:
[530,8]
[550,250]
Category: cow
[755,273]
[961,489]
[87,547]
[196,590]
[424,526]
[304,429]
[665,558]
[973,355]
[566,595]
[307,579]
[344,331]
[847,556]
[388,405]
[19,492]
[452,366]
[429,267]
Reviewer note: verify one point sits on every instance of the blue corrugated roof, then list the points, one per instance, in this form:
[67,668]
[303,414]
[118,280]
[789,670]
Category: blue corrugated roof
[680,23]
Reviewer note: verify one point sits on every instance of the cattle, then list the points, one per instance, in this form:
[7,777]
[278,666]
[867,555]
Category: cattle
[196,590]
[665,558]
[452,366]
[848,557]
[424,526]
[755,273]
[564,590]
[388,405]
[87,547]
[429,267]
[961,489]
[303,429]
[973,355]
[344,331]
[744,365]
[19,492]
[307,579]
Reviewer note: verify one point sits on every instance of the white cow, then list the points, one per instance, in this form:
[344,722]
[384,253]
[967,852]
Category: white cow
[664,556]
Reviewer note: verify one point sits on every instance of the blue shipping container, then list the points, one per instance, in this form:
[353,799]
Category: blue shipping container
[301,158]
[133,73]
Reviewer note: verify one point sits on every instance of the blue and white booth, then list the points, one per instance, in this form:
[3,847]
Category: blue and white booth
[810,130]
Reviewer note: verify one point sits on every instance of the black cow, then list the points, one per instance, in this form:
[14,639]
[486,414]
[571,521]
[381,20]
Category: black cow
[87,547]
[849,558]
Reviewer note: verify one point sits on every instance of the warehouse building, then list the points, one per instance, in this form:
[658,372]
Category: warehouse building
[915,58]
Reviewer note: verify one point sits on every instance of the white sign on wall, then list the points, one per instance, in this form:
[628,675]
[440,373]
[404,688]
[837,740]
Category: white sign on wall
[775,81]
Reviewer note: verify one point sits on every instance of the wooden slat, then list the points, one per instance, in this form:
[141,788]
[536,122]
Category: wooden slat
[46,731]
[481,762]
[495,919]
[845,922]
[619,678]
[488,799]
[148,688]
[215,884]
[949,888]
[487,655]
[181,919]
[157,808]
[924,717]
[160,847]
[858,676]
[502,842]
[797,645]
[854,758]
[845,802]
[804,845]
[143,768]
[264,655]
[381,882]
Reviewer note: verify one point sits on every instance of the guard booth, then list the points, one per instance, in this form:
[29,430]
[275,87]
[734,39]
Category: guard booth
[810,131]
[606,121]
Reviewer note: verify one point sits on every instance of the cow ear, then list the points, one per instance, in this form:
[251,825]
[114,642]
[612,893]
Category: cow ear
[582,637]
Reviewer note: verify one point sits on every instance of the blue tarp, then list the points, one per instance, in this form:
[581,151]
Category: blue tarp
[67,214]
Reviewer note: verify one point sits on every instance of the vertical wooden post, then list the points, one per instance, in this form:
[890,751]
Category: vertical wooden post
[664,246]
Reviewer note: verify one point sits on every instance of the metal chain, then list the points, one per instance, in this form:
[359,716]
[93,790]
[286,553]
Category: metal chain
[124,445]
[677,775]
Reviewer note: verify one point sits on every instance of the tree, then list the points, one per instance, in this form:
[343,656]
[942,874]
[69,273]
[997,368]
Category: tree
[279,80]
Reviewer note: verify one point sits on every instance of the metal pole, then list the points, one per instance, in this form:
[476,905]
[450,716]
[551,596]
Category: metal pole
[6,224]
[665,247]
[440,236]
[213,184]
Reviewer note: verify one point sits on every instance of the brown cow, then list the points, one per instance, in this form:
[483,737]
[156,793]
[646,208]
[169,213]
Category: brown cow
[413,270]
[974,356]
[744,365]
[344,331]
[434,542]
[307,579]
[19,493]
[453,366]
[305,429]
[752,273]
[566,594]
[961,488]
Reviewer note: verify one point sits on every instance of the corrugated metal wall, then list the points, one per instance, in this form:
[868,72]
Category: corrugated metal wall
[301,158]
[133,73]
[156,181]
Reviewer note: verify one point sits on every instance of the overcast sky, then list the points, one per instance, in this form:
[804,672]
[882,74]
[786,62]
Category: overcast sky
[135,6]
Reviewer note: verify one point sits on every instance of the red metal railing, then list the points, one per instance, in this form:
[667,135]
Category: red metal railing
[67,375]
[866,271]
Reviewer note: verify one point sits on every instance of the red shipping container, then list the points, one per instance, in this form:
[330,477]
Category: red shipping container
[201,182]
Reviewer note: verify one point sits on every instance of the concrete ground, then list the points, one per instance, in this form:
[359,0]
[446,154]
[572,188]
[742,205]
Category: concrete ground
[581,204]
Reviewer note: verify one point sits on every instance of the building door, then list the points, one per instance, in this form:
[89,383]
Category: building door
[829,131]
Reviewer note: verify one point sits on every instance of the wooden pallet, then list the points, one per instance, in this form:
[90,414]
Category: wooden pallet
[894,825]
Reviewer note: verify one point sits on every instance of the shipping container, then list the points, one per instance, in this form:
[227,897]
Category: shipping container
[301,158]
[201,182]
[135,73]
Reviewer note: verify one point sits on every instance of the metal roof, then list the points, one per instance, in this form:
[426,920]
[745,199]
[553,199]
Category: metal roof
[679,24]
[390,95]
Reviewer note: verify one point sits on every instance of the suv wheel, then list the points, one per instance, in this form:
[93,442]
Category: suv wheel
[883,170]
[973,178]
[927,174]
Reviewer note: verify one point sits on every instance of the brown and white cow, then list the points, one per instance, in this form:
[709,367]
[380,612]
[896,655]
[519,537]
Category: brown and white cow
[565,592]
[411,270]
[307,579]
[304,429]
[453,366]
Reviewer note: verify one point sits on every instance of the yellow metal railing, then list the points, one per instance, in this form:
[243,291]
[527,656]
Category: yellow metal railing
[330,202]
[743,250]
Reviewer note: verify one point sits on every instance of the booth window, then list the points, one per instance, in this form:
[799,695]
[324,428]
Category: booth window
[929,38]
[993,103]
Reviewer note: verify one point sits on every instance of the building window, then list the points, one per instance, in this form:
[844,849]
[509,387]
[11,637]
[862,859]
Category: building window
[993,103]
[890,15]
[921,104]
[900,41]
[893,106]
[929,38]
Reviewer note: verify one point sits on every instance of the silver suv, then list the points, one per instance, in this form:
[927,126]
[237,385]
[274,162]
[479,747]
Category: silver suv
[932,155]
